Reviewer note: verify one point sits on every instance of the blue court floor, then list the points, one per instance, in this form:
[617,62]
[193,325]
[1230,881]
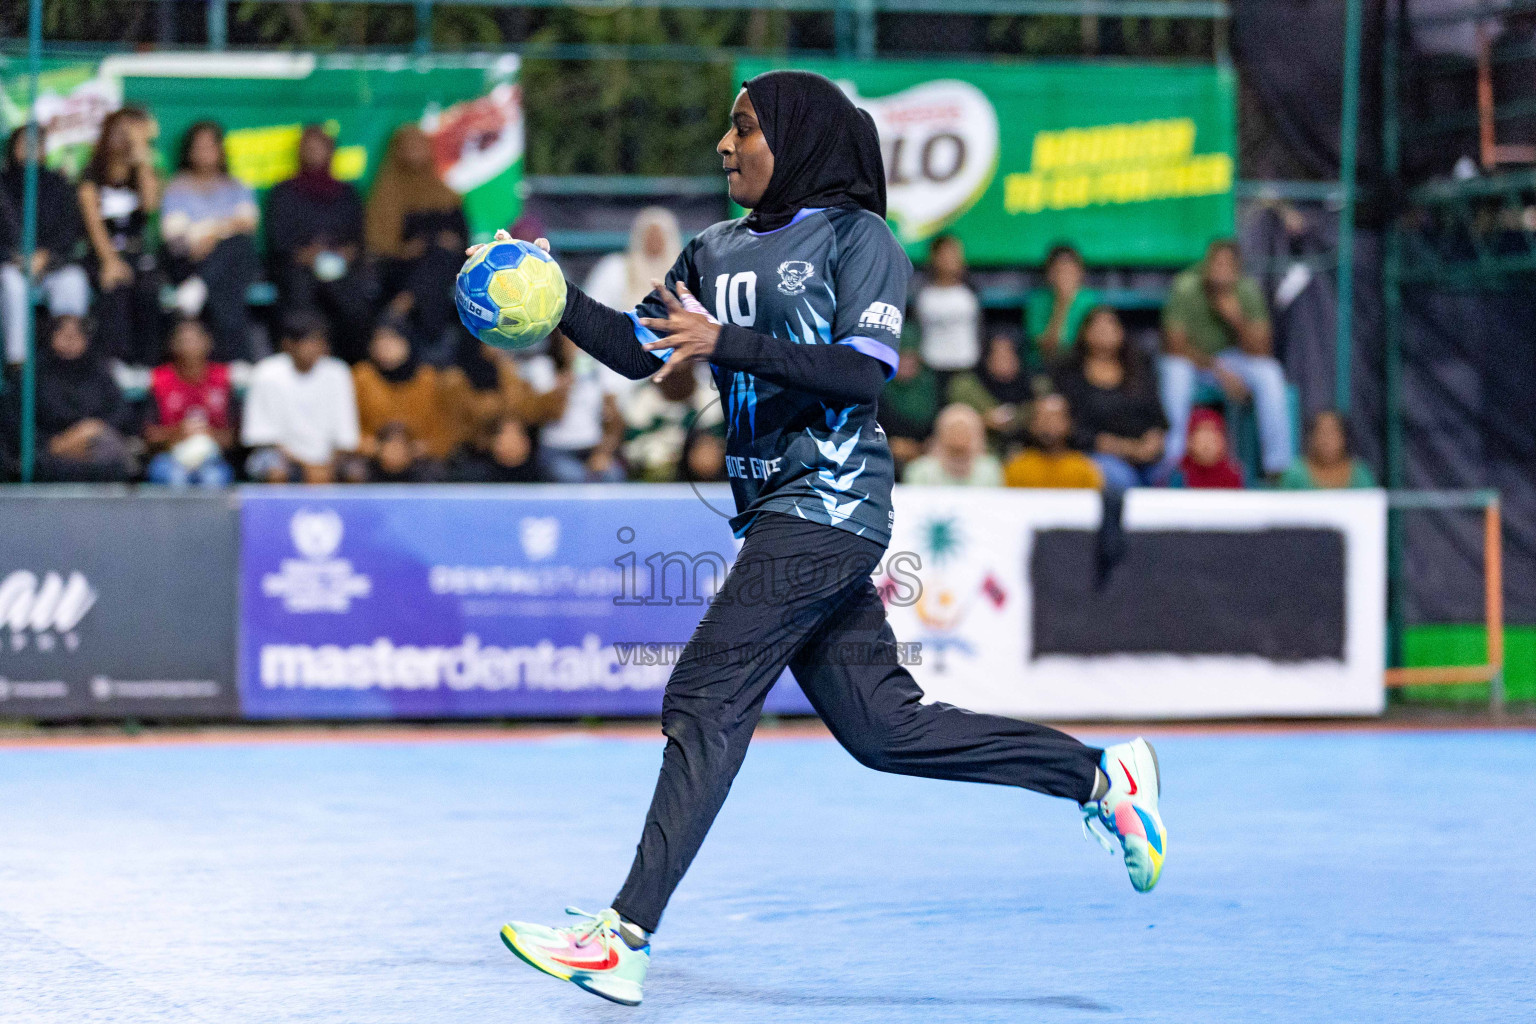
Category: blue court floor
[1356,876]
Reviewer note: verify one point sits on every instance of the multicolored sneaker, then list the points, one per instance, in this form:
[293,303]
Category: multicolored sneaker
[591,955]
[1128,811]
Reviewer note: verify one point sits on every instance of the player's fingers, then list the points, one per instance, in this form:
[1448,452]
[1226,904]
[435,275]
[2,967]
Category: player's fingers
[661,374]
[656,346]
[542,243]
[667,297]
[503,235]
[657,325]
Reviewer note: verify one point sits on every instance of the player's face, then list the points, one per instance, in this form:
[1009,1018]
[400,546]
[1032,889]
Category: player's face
[745,155]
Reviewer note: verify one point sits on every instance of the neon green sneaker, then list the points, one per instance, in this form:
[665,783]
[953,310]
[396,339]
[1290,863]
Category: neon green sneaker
[591,955]
[1128,811]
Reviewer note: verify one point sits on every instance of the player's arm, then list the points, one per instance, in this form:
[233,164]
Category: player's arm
[834,372]
[611,337]
[690,334]
[870,279]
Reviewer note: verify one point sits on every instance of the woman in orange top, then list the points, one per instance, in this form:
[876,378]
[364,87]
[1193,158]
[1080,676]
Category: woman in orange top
[393,386]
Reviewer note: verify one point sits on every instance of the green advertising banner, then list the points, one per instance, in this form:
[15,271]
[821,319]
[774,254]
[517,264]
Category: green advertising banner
[470,108]
[1132,163]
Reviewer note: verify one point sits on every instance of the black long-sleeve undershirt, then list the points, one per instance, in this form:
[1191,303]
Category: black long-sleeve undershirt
[607,334]
[835,372]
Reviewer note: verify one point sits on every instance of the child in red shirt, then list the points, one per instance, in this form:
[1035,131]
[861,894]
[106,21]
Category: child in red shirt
[191,430]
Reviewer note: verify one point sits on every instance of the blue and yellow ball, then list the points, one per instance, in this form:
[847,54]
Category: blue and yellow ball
[510,294]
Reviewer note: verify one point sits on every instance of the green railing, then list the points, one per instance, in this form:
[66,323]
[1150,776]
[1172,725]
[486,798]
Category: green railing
[1492,669]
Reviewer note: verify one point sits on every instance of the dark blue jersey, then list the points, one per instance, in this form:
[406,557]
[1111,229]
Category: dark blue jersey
[831,277]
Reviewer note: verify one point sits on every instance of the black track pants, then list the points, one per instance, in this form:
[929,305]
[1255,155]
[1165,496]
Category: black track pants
[799,594]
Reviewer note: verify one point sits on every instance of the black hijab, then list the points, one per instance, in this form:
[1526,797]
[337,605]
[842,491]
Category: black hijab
[71,390]
[469,356]
[826,151]
[406,371]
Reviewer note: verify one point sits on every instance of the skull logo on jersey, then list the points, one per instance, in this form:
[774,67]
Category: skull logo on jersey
[793,274]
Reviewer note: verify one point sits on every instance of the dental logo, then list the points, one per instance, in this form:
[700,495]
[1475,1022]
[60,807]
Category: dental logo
[318,581]
[540,536]
[940,143]
[793,274]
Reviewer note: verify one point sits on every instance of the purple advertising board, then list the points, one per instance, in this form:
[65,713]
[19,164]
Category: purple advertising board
[474,602]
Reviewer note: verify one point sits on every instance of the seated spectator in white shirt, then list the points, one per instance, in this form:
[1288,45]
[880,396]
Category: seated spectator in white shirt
[948,313]
[581,445]
[621,279]
[300,411]
[957,455]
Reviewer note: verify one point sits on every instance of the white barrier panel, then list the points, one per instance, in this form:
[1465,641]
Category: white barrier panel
[1223,603]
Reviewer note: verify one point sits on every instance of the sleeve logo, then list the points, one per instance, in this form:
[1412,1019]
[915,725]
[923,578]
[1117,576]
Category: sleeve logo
[793,274]
[883,316]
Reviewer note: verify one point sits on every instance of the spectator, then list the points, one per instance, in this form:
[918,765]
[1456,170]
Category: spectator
[396,458]
[1050,460]
[998,389]
[908,406]
[1205,462]
[208,223]
[144,129]
[1217,332]
[193,422]
[658,417]
[485,384]
[948,313]
[1326,464]
[580,442]
[703,456]
[505,453]
[81,415]
[300,410]
[65,286]
[621,279]
[417,231]
[1053,315]
[315,244]
[118,191]
[530,227]
[472,386]
[958,453]
[1111,392]
[394,387]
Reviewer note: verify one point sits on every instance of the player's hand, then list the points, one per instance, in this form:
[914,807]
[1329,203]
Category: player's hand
[691,333]
[503,235]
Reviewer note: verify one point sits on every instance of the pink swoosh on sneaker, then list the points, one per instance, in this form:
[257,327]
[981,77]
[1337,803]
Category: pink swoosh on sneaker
[1128,822]
[589,956]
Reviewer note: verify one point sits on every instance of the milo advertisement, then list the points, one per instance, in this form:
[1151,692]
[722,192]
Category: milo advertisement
[471,109]
[1132,163]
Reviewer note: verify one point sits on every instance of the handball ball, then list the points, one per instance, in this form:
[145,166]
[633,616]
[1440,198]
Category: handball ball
[510,294]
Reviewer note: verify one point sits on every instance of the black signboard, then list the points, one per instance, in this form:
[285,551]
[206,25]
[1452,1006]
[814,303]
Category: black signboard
[117,604]
[1277,594]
